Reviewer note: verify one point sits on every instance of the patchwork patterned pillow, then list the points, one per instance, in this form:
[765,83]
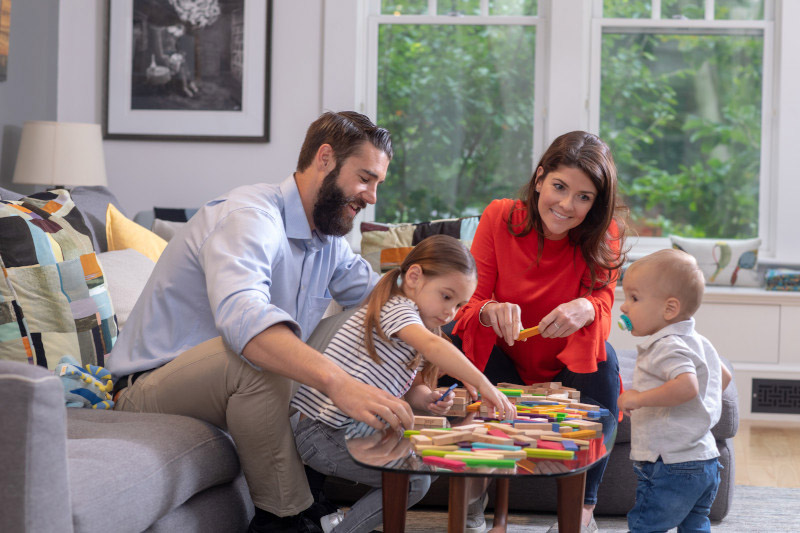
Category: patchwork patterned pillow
[385,246]
[56,281]
[725,262]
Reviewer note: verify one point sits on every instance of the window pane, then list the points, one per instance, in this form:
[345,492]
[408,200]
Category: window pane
[404,7]
[459,103]
[513,7]
[636,9]
[739,9]
[683,9]
[682,115]
[459,7]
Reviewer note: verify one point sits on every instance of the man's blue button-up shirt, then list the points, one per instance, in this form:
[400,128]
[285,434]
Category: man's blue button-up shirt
[243,262]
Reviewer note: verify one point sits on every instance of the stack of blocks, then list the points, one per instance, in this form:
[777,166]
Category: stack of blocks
[552,425]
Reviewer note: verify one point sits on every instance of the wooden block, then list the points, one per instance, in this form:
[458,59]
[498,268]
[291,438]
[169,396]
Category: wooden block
[430,421]
[505,428]
[433,432]
[550,445]
[564,439]
[533,425]
[529,332]
[451,437]
[587,424]
[452,464]
[498,433]
[477,437]
[585,406]
[582,434]
[418,440]
[447,448]
[461,454]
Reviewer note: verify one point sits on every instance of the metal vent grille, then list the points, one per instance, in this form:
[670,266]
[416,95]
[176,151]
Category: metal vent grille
[776,396]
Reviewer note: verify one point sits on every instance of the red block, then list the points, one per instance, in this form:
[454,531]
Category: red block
[549,445]
[497,433]
[452,464]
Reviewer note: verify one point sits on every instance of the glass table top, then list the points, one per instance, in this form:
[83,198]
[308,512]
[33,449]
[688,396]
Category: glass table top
[390,450]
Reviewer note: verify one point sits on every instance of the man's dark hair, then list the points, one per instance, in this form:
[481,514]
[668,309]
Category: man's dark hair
[345,131]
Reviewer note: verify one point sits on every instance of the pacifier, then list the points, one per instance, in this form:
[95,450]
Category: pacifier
[624,323]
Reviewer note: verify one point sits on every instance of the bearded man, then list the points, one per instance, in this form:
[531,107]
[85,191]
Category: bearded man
[219,331]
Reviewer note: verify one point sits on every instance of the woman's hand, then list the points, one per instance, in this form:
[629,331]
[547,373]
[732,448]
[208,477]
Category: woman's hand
[567,318]
[504,318]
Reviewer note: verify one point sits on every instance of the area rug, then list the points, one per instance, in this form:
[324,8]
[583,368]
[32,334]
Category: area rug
[754,510]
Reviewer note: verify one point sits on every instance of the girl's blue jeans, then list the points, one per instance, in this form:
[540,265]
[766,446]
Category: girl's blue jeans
[600,387]
[674,495]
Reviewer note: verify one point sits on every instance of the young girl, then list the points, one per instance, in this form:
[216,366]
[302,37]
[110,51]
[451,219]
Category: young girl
[394,342]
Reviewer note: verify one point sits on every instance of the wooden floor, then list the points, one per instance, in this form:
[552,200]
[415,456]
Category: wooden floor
[767,454]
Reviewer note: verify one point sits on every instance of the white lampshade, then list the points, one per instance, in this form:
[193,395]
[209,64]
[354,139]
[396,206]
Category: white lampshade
[60,153]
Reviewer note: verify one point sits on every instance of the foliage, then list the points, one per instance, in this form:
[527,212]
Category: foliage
[458,100]
[682,114]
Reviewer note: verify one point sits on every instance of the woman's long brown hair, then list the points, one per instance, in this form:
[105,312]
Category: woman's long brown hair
[437,255]
[586,152]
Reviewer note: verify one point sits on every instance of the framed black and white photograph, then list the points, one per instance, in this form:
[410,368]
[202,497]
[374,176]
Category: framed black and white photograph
[191,70]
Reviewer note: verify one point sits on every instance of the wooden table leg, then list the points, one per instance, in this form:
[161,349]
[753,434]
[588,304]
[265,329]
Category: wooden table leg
[570,502]
[500,504]
[457,505]
[395,501]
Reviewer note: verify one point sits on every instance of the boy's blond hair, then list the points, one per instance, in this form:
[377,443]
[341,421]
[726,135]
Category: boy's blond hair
[674,273]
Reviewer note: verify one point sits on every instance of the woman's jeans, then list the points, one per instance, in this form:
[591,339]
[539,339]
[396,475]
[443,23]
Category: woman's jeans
[323,448]
[601,387]
[678,494]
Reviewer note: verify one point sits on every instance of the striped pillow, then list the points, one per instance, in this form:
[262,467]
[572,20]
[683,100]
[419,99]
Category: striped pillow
[56,283]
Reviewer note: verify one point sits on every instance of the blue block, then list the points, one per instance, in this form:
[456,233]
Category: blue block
[556,426]
[569,445]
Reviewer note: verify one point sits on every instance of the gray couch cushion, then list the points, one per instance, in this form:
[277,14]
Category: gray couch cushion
[157,462]
[93,203]
[5,194]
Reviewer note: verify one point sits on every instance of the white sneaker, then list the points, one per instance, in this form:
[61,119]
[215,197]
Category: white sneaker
[476,523]
[330,521]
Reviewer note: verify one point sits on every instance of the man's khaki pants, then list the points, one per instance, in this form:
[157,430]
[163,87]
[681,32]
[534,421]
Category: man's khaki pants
[212,383]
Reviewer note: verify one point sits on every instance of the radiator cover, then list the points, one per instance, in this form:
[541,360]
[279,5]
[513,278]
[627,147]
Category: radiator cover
[781,396]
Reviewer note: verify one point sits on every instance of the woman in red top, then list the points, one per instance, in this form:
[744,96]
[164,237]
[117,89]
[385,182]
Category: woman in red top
[550,259]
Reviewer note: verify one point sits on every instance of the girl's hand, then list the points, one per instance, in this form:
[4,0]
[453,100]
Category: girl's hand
[504,318]
[442,407]
[629,401]
[496,399]
[567,318]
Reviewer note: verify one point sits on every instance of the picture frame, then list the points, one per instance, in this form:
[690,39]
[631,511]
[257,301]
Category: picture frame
[5,26]
[188,70]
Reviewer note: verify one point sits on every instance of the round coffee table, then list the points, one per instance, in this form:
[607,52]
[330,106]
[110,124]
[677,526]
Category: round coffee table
[394,455]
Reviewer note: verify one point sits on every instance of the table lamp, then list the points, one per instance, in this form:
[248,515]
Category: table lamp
[60,154]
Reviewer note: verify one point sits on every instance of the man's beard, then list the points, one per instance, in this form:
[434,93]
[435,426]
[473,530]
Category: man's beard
[330,217]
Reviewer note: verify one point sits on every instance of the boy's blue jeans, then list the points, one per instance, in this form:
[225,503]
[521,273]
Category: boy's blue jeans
[674,495]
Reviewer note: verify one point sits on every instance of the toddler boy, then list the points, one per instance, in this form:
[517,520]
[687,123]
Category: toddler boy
[676,397]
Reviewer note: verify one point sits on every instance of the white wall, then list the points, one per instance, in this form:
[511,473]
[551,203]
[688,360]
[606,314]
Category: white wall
[185,174]
[29,92]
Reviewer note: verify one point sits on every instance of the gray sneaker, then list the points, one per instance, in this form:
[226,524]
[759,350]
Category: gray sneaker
[591,528]
[476,523]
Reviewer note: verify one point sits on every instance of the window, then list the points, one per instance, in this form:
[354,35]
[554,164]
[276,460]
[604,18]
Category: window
[455,86]
[697,98]
[681,104]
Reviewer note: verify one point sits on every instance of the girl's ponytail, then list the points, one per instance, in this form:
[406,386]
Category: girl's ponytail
[385,289]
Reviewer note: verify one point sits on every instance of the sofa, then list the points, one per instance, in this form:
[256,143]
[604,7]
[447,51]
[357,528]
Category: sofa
[93,470]
[88,470]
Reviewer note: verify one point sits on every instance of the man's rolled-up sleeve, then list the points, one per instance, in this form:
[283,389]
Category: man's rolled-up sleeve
[238,257]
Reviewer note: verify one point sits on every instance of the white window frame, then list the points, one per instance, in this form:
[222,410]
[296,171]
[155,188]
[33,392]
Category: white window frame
[567,93]
[707,26]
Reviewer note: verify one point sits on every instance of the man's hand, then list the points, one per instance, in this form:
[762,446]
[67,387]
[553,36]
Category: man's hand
[379,448]
[365,403]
